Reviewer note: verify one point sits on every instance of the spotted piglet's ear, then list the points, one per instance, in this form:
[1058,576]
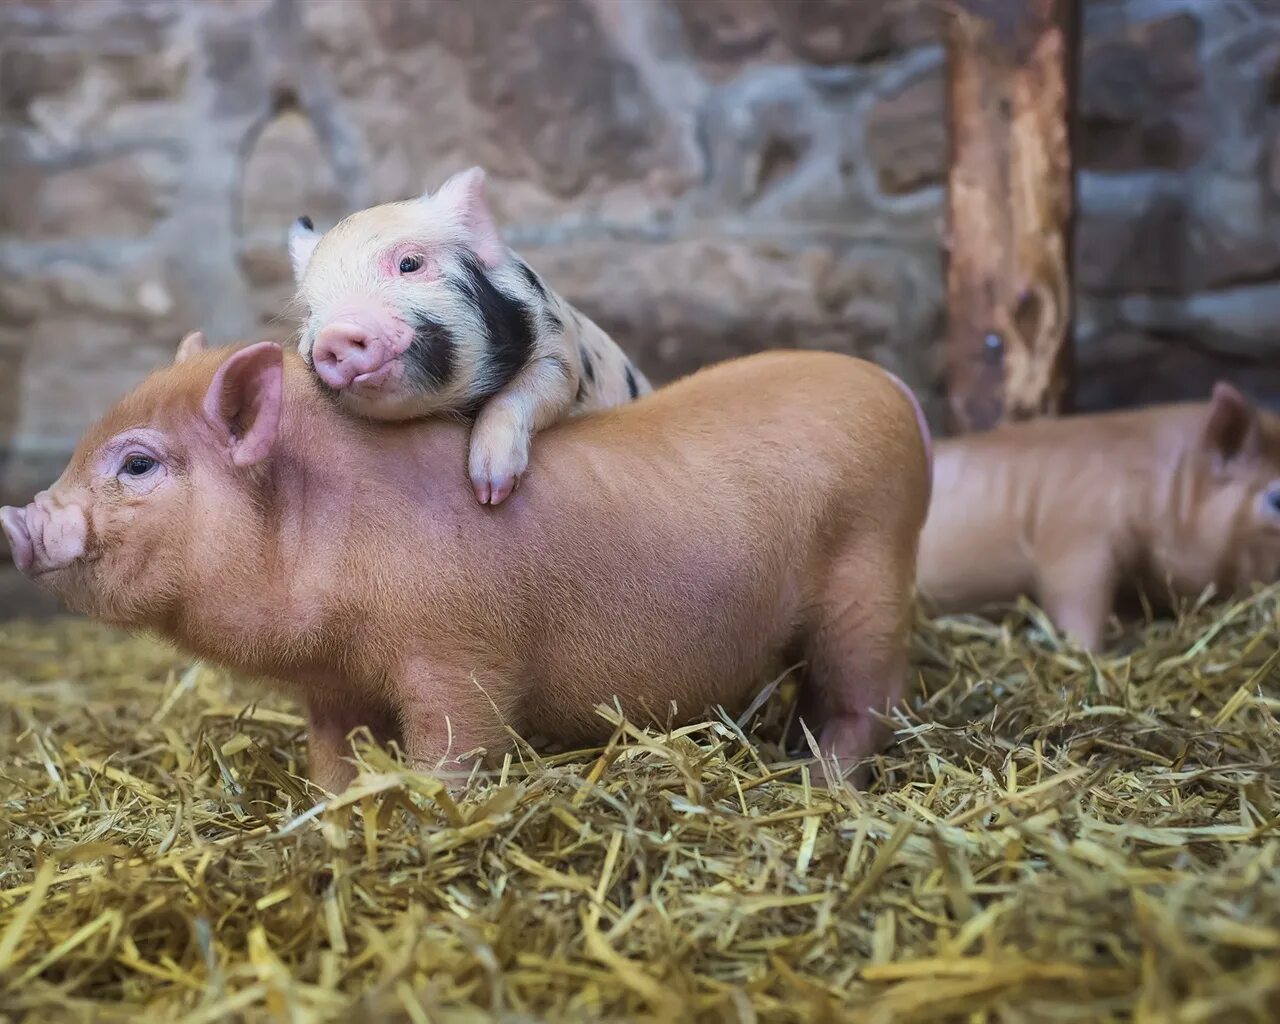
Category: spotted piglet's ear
[463,197]
[1231,426]
[244,400]
[192,345]
[303,239]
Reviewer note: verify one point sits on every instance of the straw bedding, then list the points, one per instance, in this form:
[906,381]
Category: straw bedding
[1052,838]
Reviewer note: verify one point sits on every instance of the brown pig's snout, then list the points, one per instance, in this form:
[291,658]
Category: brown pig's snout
[18,535]
[44,535]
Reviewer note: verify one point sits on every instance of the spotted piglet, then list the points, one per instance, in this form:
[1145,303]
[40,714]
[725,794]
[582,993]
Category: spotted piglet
[418,308]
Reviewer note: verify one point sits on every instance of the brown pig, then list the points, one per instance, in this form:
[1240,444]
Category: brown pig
[671,550]
[1076,511]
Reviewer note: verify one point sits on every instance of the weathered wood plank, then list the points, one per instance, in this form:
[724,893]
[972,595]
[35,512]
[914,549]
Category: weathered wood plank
[1011,70]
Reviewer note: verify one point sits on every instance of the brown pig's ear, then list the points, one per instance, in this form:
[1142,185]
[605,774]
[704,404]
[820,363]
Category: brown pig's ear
[1231,427]
[193,344]
[244,401]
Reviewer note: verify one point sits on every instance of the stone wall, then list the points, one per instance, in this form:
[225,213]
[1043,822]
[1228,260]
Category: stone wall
[1178,245]
[704,177]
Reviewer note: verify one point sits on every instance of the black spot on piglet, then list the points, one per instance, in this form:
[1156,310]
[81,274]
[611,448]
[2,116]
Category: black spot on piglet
[588,367]
[534,281]
[430,361]
[631,383]
[305,221]
[509,324]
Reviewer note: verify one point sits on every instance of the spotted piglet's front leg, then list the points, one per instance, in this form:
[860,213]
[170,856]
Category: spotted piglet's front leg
[539,395]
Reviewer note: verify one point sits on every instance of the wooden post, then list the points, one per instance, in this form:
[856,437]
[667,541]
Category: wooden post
[1011,78]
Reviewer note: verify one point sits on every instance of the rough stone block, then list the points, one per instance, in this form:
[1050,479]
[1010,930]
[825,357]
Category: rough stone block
[125,195]
[680,305]
[907,135]
[727,33]
[1142,101]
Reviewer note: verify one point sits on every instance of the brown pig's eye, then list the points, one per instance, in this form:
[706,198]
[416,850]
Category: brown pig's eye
[412,264]
[138,465]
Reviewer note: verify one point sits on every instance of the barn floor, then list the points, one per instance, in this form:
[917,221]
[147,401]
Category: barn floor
[1052,839]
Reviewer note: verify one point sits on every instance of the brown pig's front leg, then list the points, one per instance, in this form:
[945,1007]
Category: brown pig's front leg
[539,395]
[448,713]
[329,748]
[1077,590]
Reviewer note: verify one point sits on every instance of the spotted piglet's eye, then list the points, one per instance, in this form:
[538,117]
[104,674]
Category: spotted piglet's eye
[1271,501]
[412,263]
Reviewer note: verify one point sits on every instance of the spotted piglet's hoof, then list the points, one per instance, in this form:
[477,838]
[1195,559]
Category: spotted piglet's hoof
[498,459]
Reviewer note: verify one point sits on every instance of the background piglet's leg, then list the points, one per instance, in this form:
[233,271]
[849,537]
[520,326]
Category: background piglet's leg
[537,396]
[1076,589]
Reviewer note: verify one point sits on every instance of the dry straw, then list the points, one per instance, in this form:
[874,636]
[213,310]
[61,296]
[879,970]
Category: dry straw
[1053,838]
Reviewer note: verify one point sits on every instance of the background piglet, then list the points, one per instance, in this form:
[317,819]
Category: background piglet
[417,308]
[1170,499]
[676,549]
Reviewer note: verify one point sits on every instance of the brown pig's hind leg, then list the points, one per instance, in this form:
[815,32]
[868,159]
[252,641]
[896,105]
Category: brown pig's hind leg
[447,714]
[329,748]
[857,652]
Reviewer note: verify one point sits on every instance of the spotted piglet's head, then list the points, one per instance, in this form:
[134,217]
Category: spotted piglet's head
[415,307]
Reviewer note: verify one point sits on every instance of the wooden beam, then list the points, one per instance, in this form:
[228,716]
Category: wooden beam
[1011,72]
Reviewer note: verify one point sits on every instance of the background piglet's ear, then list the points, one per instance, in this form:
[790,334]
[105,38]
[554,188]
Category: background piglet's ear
[1231,427]
[244,400]
[303,239]
[193,344]
[463,196]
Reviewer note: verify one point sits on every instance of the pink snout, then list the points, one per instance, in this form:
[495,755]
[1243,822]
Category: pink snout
[44,536]
[346,350]
[14,523]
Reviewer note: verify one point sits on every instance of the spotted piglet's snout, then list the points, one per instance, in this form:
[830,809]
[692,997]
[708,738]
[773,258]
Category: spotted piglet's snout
[359,347]
[347,350]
